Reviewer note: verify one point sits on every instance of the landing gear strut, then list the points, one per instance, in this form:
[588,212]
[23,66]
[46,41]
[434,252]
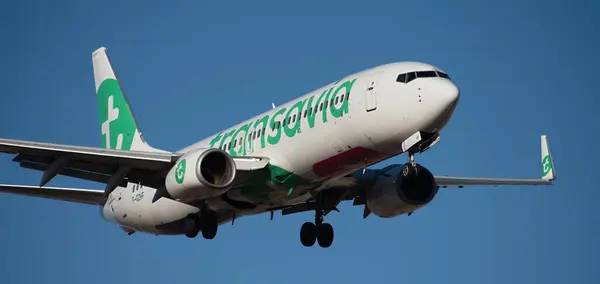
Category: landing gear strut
[410,169]
[317,231]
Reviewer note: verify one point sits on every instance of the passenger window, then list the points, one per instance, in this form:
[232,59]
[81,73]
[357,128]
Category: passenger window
[347,96]
[337,99]
[305,112]
[410,76]
[320,107]
[234,143]
[401,78]
[294,118]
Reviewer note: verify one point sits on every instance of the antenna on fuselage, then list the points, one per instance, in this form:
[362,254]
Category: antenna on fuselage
[273,105]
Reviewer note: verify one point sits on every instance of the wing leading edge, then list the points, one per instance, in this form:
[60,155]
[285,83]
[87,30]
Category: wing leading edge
[77,195]
[548,174]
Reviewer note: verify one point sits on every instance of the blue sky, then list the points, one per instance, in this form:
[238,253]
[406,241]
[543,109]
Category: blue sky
[524,68]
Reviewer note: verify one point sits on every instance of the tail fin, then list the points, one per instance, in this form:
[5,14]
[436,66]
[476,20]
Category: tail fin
[548,172]
[118,125]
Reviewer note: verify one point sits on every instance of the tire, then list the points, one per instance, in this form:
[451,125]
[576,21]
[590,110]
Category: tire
[325,235]
[407,170]
[209,227]
[308,234]
[191,226]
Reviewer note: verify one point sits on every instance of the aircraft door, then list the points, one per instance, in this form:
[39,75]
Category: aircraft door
[371,94]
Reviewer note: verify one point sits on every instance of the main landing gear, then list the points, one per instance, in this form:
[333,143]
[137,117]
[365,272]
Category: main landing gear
[317,231]
[207,223]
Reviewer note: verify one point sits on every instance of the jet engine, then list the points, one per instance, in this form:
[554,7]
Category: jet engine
[393,193]
[200,174]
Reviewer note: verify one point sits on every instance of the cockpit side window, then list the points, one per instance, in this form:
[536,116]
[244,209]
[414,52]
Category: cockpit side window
[401,78]
[443,75]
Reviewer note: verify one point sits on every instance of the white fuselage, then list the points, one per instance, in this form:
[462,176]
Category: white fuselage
[372,114]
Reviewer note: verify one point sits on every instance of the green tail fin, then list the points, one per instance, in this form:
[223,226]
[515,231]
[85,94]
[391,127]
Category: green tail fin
[118,125]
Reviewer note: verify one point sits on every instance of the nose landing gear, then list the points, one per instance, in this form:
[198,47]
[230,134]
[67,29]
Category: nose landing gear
[410,169]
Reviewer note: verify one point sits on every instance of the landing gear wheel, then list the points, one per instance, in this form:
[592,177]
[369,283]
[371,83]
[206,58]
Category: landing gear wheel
[191,225]
[325,235]
[409,170]
[209,227]
[308,234]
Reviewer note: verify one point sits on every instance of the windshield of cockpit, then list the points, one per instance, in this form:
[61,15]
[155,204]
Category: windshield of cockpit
[409,76]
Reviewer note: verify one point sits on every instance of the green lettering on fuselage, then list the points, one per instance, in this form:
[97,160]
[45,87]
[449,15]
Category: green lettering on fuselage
[326,102]
[345,87]
[263,122]
[314,109]
[215,140]
[274,125]
[289,130]
[242,144]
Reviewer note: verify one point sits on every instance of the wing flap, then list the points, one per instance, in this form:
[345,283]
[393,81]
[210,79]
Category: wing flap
[85,175]
[86,196]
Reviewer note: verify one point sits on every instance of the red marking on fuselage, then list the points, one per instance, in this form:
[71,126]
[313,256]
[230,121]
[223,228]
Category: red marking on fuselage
[347,161]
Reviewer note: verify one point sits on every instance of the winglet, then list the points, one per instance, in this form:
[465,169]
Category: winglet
[548,172]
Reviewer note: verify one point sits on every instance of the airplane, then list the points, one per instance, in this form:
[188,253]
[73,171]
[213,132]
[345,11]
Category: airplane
[309,154]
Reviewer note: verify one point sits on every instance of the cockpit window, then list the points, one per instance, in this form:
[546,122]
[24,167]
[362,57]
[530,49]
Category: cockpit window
[401,78]
[407,77]
[410,76]
[443,75]
[426,74]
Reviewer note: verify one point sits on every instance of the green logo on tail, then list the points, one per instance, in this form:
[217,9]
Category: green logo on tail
[118,126]
[180,172]
[546,165]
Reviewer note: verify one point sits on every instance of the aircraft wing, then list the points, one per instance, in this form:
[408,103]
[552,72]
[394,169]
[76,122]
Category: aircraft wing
[354,186]
[112,167]
[87,196]
[89,163]
[548,175]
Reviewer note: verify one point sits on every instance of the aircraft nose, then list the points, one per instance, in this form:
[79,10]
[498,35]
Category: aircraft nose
[448,94]
[444,97]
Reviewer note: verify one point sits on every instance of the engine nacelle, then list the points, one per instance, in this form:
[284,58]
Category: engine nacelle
[393,194]
[201,174]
